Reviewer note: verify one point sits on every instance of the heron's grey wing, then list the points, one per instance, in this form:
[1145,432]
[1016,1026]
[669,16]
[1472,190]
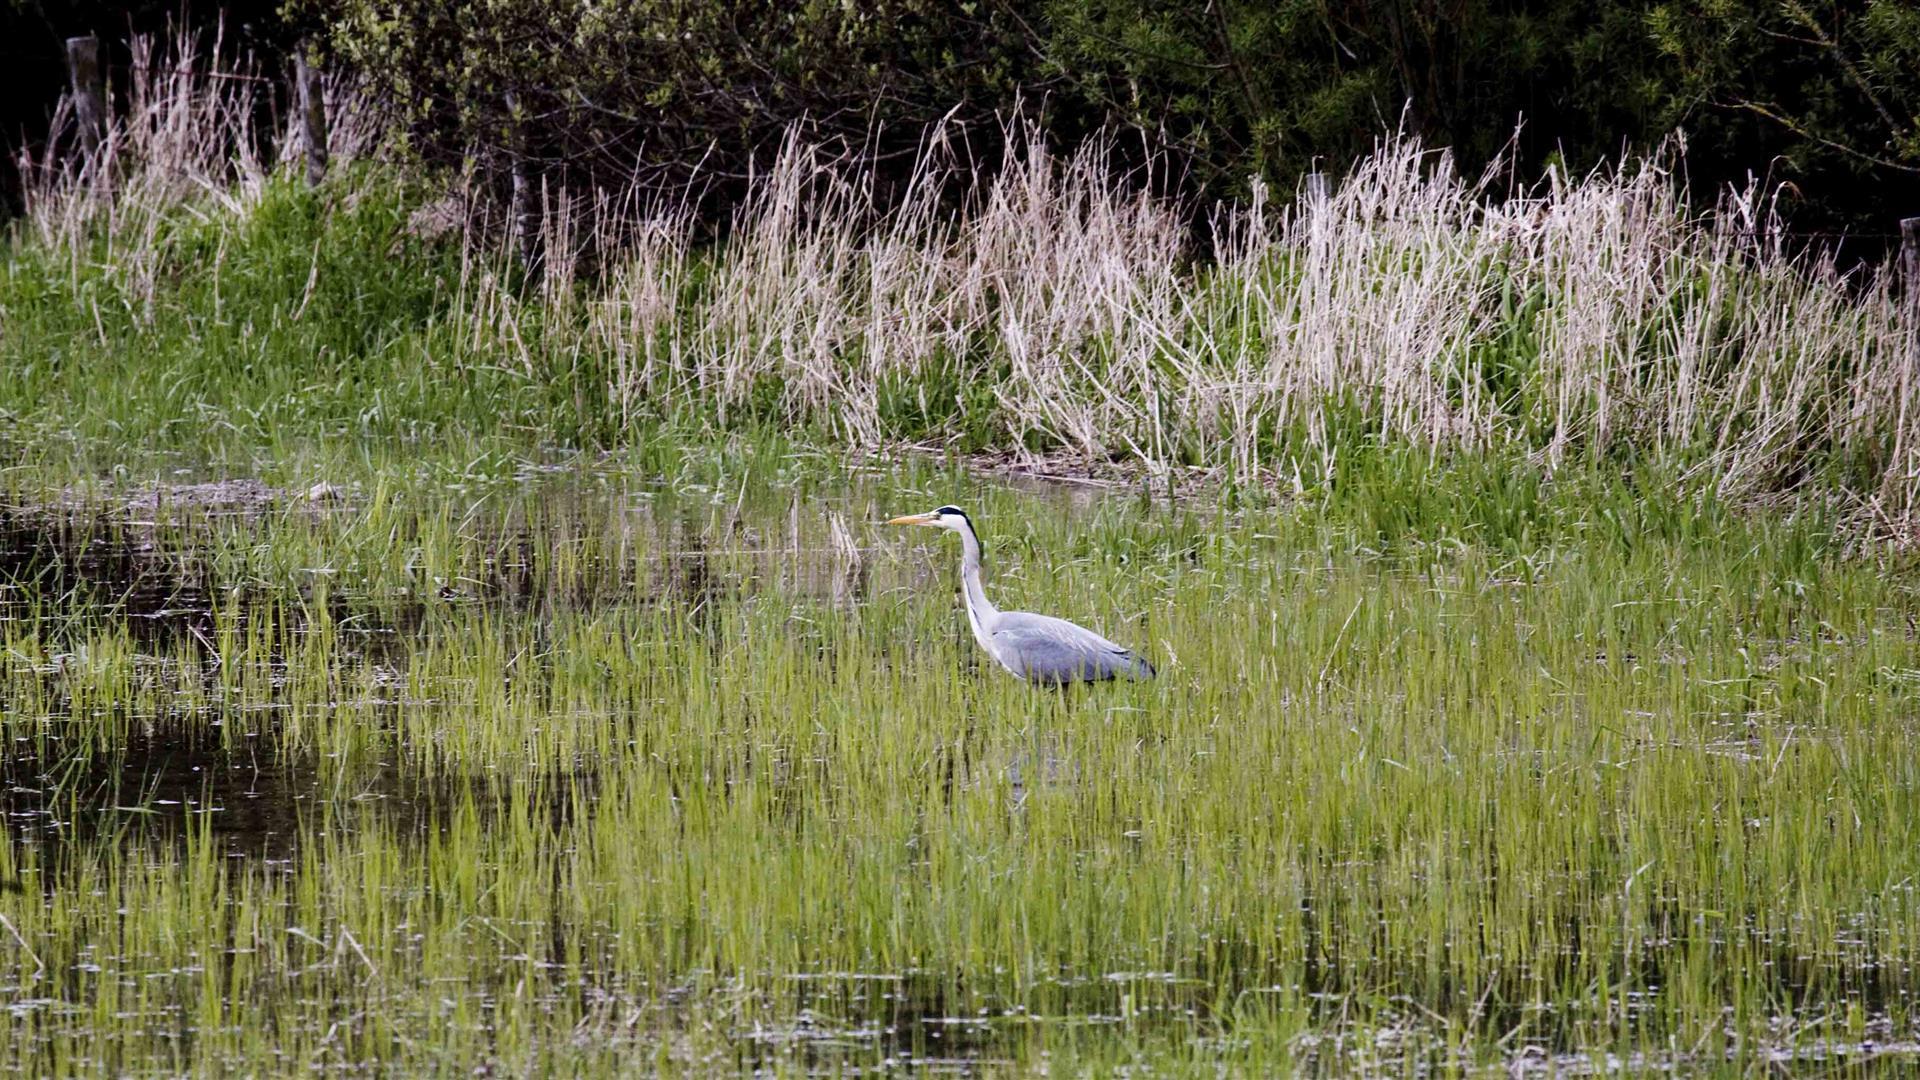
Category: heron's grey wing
[1043,649]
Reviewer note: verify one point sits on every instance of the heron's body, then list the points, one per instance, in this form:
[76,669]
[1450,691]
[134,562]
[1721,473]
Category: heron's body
[1037,648]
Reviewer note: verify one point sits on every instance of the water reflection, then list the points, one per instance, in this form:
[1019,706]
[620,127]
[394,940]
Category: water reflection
[251,800]
[100,568]
[79,568]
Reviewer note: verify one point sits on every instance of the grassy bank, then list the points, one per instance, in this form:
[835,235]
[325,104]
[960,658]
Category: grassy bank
[186,294]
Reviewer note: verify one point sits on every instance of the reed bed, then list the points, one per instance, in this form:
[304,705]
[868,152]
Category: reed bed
[1047,307]
[1594,318]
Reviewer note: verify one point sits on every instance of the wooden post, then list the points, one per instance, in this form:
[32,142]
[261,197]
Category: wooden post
[1910,256]
[524,206]
[313,115]
[525,210]
[1910,285]
[89,92]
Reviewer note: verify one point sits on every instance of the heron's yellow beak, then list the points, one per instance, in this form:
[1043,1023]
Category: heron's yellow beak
[915,519]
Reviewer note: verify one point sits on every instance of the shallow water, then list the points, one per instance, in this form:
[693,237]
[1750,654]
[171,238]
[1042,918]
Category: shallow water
[591,770]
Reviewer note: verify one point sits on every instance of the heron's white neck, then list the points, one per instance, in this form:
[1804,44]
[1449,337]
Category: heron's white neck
[980,611]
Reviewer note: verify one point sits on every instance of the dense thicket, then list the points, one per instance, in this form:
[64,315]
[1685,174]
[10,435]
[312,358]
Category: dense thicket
[1825,99]
[1821,101]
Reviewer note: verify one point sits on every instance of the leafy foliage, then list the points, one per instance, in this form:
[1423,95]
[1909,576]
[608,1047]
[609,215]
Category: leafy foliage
[1828,100]
[1240,89]
[1837,91]
[672,91]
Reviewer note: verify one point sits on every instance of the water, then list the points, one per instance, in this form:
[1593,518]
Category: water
[593,771]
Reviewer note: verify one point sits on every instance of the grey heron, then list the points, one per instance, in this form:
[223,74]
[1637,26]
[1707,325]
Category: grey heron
[1037,648]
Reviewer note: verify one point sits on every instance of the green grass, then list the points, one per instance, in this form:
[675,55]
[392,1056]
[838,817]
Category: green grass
[594,739]
[598,775]
[232,334]
[237,334]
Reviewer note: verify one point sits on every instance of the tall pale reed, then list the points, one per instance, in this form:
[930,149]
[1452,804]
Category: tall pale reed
[1044,304]
[193,135]
[1589,316]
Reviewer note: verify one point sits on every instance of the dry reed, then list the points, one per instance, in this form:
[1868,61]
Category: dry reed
[1053,307]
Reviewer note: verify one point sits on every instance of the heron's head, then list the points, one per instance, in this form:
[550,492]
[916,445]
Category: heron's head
[947,517]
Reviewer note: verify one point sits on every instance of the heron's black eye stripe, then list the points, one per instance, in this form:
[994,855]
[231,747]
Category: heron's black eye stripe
[954,510]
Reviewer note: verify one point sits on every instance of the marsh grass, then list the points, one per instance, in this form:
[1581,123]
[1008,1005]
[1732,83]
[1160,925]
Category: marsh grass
[602,770]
